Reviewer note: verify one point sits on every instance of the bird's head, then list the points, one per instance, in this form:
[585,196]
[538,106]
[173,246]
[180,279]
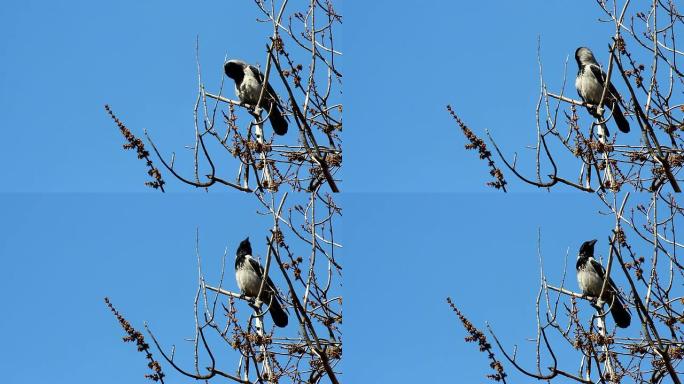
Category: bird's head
[245,248]
[584,56]
[235,69]
[587,248]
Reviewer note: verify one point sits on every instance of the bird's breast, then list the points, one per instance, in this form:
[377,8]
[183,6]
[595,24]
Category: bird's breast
[588,86]
[589,281]
[249,90]
[247,280]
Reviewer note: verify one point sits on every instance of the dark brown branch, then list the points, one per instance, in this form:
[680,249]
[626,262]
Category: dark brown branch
[299,116]
[648,129]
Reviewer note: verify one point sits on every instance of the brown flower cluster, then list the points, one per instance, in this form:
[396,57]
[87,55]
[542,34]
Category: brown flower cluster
[137,144]
[258,147]
[477,336]
[137,337]
[333,159]
[479,144]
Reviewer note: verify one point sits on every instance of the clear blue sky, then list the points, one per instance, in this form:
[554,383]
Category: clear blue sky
[77,223]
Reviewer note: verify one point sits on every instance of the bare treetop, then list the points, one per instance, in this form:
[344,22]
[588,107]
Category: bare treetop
[278,140]
[634,83]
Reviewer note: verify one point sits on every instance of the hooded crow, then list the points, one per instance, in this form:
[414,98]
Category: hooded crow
[248,83]
[249,275]
[589,83]
[590,276]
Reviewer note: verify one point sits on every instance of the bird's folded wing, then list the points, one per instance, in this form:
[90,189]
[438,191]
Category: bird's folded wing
[269,286]
[602,273]
[270,92]
[601,78]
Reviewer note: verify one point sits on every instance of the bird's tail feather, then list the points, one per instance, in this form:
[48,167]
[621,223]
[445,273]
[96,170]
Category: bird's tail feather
[622,123]
[277,120]
[620,314]
[278,314]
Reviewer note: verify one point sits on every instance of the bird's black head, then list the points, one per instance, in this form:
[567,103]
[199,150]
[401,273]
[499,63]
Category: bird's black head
[587,248]
[584,56]
[245,248]
[235,69]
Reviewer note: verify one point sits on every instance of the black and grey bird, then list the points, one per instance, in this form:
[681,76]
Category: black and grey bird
[249,274]
[589,83]
[590,276]
[248,82]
